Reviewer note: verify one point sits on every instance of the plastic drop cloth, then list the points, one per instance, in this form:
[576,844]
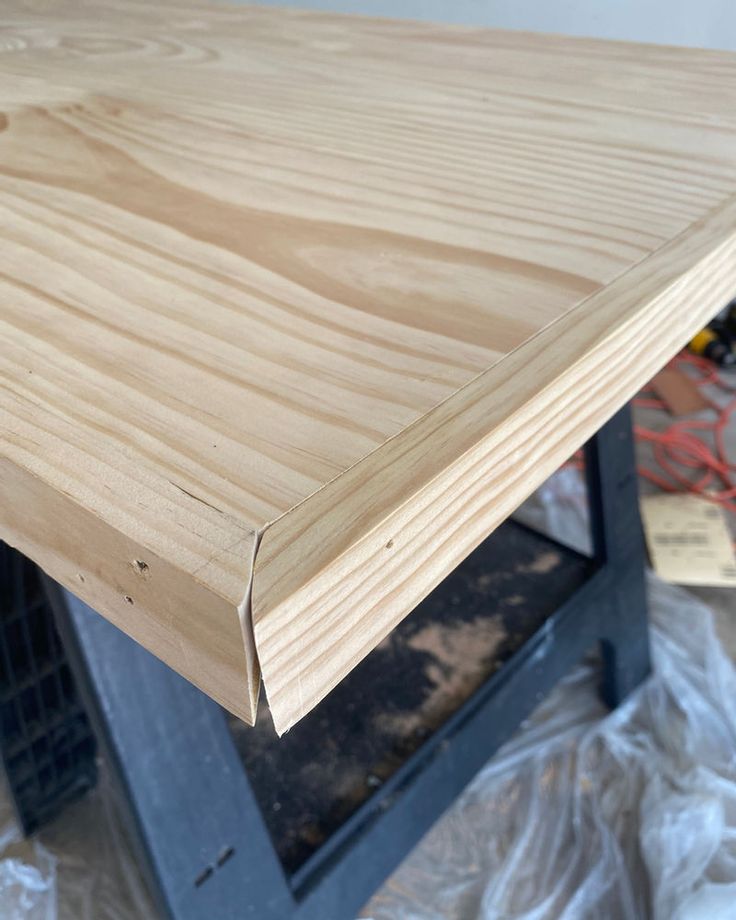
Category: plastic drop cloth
[590,814]
[584,814]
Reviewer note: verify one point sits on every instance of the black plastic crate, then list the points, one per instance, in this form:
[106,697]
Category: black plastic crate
[46,744]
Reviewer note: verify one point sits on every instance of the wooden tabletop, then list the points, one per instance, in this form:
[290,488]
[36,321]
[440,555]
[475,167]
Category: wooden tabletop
[295,308]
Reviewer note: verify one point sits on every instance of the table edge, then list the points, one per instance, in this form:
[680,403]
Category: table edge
[331,572]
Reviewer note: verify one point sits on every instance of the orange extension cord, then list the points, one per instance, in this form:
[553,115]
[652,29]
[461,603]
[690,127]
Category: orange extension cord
[682,444]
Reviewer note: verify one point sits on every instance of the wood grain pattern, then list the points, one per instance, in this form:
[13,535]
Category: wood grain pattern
[385,540]
[295,308]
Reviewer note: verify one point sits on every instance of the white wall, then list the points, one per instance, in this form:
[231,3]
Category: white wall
[704,23]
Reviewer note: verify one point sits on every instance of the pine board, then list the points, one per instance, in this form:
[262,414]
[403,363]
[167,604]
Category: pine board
[295,308]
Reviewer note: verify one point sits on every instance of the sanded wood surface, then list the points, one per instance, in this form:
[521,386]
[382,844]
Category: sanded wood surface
[295,308]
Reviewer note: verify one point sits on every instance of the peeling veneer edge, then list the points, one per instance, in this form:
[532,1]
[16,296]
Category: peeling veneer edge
[245,615]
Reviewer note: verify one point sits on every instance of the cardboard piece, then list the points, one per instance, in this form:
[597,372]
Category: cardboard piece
[678,392]
[689,541]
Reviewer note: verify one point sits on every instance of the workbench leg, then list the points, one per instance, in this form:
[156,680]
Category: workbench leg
[191,810]
[618,545]
[626,661]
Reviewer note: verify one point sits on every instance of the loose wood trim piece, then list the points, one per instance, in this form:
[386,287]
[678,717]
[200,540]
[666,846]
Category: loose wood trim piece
[336,574]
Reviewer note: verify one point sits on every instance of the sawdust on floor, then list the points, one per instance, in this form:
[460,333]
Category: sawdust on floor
[458,662]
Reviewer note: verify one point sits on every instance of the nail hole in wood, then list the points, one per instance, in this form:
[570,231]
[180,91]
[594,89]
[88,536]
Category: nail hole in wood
[203,876]
[80,577]
[128,599]
[140,566]
[389,544]
[224,856]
